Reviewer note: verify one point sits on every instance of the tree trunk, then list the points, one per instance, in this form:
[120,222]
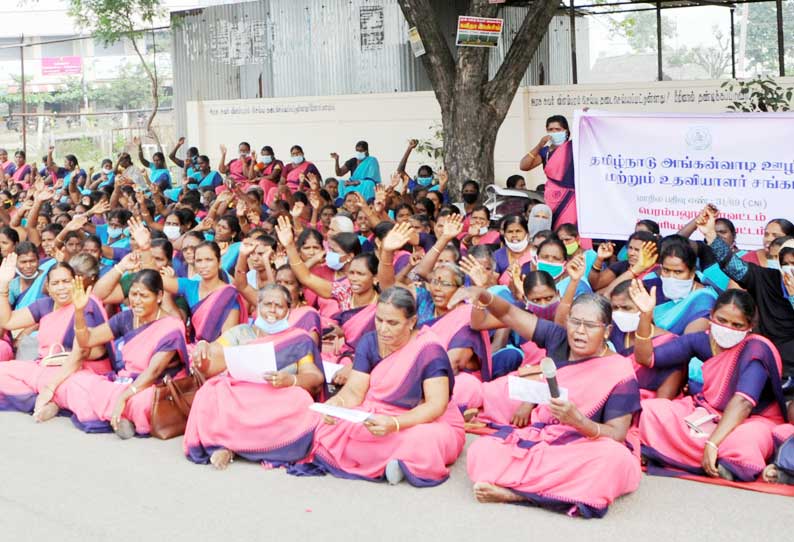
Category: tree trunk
[472,107]
[155,96]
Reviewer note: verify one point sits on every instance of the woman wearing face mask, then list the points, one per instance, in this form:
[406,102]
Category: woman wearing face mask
[575,245]
[105,177]
[778,227]
[187,254]
[268,420]
[684,304]
[268,169]
[539,219]
[741,393]
[30,387]
[517,250]
[150,345]
[177,223]
[640,263]
[404,379]
[158,170]
[364,172]
[310,247]
[552,258]
[555,152]
[228,235]
[772,290]
[628,300]
[479,232]
[590,427]
[298,166]
[237,168]
[115,235]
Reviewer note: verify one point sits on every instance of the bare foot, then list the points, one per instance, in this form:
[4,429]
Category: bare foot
[770,474]
[470,414]
[485,492]
[47,412]
[221,458]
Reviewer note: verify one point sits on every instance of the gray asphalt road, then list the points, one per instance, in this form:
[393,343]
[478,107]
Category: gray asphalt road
[57,483]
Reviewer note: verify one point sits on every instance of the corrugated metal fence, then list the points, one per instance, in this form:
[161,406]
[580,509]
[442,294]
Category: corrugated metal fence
[281,48]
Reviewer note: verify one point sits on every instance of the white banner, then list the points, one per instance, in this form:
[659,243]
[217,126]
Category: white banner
[667,167]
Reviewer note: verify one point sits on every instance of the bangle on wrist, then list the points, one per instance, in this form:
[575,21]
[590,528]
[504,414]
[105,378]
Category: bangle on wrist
[639,337]
[397,423]
[598,432]
[710,443]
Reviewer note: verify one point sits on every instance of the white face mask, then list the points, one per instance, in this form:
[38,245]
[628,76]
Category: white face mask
[627,322]
[787,269]
[172,232]
[483,230]
[518,246]
[727,337]
[772,264]
[676,289]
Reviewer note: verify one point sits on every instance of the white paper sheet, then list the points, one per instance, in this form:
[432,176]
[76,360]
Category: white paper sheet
[348,414]
[250,362]
[330,369]
[531,391]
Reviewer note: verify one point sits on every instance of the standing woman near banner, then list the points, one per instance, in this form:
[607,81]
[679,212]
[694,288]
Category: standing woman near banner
[555,152]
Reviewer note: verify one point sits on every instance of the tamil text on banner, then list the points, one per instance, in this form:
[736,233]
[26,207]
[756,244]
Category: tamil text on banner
[478,32]
[61,65]
[667,167]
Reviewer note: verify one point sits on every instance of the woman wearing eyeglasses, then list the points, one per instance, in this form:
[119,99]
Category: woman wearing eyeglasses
[727,429]
[572,456]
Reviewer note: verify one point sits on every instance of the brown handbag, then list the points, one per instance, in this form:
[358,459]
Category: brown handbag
[171,405]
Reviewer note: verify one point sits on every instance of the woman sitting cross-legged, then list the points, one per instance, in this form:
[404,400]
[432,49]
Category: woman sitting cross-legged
[266,421]
[571,457]
[404,378]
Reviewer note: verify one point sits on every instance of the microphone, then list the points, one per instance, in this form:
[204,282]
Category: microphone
[550,373]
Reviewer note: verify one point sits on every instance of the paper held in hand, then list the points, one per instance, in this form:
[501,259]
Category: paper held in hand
[250,362]
[531,391]
[348,414]
[330,369]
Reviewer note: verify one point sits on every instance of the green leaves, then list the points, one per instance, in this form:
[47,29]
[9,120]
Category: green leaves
[762,94]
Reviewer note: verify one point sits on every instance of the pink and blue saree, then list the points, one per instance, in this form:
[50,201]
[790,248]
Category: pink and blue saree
[560,192]
[256,420]
[555,466]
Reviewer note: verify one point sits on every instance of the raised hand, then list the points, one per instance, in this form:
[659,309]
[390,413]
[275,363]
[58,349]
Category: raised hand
[314,200]
[241,208]
[129,263]
[707,222]
[516,280]
[452,227]
[76,223]
[224,150]
[396,177]
[136,141]
[576,267]
[475,270]
[297,209]
[45,195]
[334,156]
[399,235]
[140,233]
[247,247]
[181,141]
[412,143]
[606,250]
[314,181]
[205,225]
[544,141]
[8,269]
[462,294]
[645,301]
[284,232]
[80,294]
[443,179]
[648,257]
[100,208]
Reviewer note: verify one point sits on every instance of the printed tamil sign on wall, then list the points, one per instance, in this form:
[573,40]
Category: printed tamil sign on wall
[478,32]
[667,167]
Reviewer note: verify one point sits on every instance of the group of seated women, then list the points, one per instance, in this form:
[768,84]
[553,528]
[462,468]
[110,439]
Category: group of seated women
[669,353]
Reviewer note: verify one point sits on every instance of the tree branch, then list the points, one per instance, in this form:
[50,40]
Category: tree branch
[438,60]
[501,90]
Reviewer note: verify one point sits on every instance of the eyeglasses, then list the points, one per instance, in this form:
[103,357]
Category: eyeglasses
[444,283]
[574,323]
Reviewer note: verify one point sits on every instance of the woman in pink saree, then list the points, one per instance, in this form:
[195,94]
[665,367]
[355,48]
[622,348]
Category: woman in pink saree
[555,152]
[726,430]
[28,386]
[266,421]
[572,456]
[404,379]
[147,345]
[215,306]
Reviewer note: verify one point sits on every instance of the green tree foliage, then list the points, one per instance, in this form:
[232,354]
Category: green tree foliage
[761,49]
[761,95]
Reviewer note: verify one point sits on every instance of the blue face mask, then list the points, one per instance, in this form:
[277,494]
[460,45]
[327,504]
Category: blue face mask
[360,156]
[772,264]
[297,159]
[333,260]
[115,232]
[424,181]
[553,269]
[558,138]
[271,328]
[266,159]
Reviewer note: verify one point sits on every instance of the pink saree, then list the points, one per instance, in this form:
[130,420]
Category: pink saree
[20,381]
[307,319]
[91,397]
[453,331]
[560,194]
[555,466]
[355,323]
[349,450]
[666,439]
[256,420]
[210,313]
